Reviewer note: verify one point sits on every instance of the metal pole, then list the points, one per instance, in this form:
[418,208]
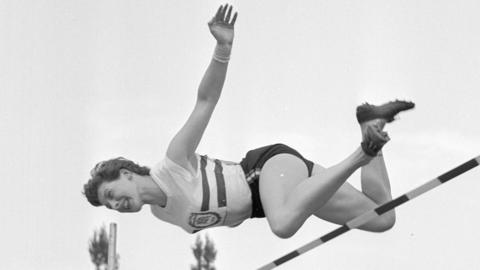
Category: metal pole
[112,246]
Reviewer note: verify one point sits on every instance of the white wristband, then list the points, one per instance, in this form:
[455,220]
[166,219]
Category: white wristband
[222,53]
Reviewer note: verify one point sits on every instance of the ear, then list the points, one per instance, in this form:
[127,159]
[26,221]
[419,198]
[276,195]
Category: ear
[126,173]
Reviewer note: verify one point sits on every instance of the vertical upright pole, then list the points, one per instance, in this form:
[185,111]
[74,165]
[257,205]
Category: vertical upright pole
[112,246]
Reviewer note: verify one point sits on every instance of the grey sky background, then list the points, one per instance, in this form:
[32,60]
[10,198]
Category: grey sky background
[83,81]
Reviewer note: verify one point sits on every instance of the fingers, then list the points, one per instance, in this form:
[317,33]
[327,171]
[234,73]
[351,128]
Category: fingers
[218,16]
[224,10]
[229,13]
[234,19]
[224,14]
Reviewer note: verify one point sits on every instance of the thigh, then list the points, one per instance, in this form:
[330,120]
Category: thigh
[279,175]
[346,204]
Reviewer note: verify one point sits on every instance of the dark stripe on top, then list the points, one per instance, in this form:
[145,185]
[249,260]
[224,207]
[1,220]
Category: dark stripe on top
[391,204]
[205,187]
[335,233]
[458,170]
[286,258]
[221,191]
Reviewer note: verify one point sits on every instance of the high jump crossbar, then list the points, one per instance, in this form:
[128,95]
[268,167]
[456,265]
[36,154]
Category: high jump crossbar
[369,215]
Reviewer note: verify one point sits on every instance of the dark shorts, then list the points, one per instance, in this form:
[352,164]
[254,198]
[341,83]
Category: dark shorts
[252,165]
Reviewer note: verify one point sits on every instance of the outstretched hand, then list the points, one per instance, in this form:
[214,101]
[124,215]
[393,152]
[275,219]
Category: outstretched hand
[221,26]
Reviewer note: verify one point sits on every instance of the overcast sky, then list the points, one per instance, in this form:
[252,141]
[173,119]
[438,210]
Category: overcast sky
[84,81]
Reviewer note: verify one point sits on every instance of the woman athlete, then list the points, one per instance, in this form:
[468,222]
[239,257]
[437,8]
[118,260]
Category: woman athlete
[196,191]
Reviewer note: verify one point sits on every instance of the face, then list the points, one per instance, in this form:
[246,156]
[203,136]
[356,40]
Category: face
[120,194]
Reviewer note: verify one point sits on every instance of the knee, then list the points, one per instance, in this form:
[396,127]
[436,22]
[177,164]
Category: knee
[282,231]
[383,223]
[283,226]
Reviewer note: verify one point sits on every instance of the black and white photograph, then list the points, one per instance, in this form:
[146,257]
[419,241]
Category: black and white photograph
[228,135]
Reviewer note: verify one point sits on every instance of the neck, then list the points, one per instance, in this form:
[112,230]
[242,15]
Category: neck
[150,192]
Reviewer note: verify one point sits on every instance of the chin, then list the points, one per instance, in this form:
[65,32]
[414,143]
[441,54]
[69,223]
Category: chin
[132,210]
[135,209]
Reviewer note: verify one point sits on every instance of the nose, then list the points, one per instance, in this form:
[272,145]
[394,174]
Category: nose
[114,204]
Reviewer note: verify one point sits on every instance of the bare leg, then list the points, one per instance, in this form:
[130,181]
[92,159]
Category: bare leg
[374,175]
[349,202]
[289,196]
[375,181]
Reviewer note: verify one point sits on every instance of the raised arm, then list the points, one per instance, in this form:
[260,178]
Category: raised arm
[182,147]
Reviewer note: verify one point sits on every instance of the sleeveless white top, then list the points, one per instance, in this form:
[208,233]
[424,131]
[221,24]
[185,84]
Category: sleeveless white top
[217,195]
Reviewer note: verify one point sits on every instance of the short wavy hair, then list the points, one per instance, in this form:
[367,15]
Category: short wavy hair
[107,171]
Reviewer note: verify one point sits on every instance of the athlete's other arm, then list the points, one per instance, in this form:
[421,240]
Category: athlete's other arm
[182,148]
